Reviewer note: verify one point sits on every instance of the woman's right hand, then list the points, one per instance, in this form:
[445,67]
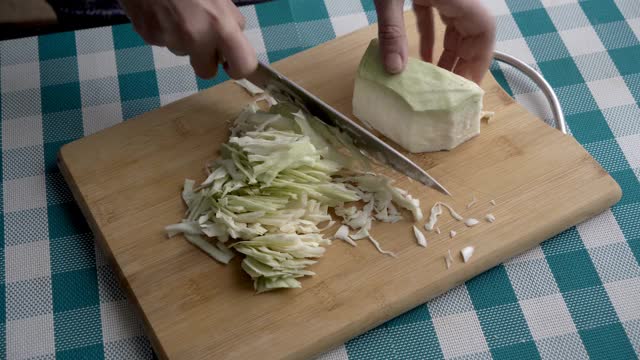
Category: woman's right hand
[209,31]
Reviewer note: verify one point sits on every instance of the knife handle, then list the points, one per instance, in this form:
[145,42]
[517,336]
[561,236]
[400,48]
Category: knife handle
[248,2]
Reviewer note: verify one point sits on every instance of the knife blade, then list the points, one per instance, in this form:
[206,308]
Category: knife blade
[268,78]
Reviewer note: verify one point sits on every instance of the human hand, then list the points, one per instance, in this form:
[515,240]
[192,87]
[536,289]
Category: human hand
[209,31]
[468,42]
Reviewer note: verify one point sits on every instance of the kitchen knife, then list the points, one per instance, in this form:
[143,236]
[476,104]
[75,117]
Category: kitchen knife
[268,78]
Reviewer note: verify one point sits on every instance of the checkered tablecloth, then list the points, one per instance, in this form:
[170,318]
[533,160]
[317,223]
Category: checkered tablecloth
[575,296]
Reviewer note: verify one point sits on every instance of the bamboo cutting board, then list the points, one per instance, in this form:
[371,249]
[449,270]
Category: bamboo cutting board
[127,180]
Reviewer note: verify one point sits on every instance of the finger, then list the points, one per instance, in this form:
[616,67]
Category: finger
[240,57]
[424,16]
[463,68]
[147,27]
[479,68]
[483,63]
[176,43]
[205,64]
[470,17]
[199,39]
[391,34]
[449,54]
[477,53]
[448,60]
[486,48]
[177,51]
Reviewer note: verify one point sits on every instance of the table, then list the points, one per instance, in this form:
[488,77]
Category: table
[575,296]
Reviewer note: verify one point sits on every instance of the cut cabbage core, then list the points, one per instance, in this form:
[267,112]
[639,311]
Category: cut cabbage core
[424,108]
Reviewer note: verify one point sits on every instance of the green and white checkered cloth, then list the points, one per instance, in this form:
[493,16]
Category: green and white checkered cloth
[576,296]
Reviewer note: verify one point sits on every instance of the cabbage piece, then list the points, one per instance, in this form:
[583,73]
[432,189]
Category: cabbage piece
[471,222]
[221,254]
[343,234]
[424,108]
[189,227]
[466,253]
[448,259]
[249,86]
[263,283]
[377,245]
[257,269]
[384,193]
[187,191]
[420,238]
[436,211]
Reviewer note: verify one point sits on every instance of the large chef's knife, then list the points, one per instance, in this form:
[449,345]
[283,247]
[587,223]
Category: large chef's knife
[268,78]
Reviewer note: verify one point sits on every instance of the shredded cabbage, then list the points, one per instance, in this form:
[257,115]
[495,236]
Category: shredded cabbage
[436,211]
[276,180]
[467,252]
[249,86]
[422,241]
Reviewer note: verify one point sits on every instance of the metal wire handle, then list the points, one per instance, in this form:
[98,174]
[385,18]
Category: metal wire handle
[556,109]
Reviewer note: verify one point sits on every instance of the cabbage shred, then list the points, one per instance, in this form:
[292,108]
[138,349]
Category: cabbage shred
[271,189]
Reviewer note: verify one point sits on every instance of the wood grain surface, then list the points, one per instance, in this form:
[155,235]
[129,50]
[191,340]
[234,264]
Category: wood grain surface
[127,180]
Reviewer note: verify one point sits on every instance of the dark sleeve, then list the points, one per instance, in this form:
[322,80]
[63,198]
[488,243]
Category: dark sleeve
[103,10]
[86,10]
[249,2]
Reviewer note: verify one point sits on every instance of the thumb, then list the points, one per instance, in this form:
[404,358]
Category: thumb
[392,35]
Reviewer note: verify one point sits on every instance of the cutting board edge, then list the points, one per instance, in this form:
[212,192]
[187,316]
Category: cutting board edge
[104,246]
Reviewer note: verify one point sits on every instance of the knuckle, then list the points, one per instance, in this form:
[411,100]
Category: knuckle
[390,32]
[238,72]
[181,17]
[239,18]
[189,34]
[142,30]
[214,18]
[242,22]
[227,34]
[203,71]
[224,27]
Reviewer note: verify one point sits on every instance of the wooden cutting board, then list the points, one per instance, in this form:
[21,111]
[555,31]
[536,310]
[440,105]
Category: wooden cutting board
[127,180]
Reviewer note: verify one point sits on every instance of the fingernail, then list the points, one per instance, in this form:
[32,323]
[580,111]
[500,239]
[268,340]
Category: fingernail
[393,62]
